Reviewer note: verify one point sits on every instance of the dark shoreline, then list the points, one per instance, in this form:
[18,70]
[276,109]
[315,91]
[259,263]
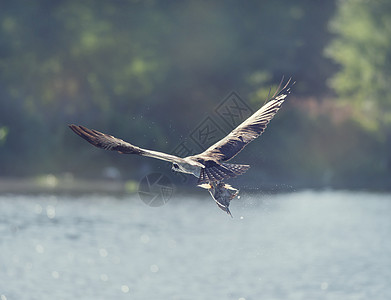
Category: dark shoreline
[50,184]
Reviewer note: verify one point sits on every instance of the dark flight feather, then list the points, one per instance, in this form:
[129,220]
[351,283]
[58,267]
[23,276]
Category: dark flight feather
[109,142]
[105,141]
[246,132]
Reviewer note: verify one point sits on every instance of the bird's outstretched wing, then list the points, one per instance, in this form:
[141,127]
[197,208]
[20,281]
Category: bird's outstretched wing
[109,142]
[249,130]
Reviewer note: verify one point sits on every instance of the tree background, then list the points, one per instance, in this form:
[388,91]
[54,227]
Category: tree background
[150,71]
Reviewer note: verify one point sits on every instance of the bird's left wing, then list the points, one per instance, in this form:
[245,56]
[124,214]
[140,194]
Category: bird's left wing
[249,130]
[109,142]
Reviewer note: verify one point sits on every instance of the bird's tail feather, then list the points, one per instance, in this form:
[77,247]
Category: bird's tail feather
[221,172]
[236,168]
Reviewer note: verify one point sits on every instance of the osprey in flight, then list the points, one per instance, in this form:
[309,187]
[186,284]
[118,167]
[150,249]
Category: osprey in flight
[211,165]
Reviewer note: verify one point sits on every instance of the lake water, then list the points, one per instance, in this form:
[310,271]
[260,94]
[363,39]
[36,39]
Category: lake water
[302,245]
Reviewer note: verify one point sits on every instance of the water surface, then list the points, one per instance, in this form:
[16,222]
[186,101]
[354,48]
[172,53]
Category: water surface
[303,245]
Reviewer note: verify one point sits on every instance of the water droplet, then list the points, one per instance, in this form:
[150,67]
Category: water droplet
[154,268]
[104,277]
[38,209]
[125,288]
[144,238]
[39,248]
[51,211]
[172,243]
[103,252]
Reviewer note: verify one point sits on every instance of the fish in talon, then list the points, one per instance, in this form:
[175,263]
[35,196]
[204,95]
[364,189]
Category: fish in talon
[221,193]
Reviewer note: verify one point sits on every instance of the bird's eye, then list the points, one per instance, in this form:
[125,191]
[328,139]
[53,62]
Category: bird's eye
[175,166]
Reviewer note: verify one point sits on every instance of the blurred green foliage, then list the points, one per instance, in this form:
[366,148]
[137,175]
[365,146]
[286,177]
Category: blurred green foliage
[362,48]
[149,71]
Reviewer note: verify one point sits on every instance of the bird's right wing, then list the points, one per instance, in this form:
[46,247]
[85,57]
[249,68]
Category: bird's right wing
[249,130]
[109,142]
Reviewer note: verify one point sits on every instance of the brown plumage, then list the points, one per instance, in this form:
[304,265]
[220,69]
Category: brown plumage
[210,165]
[249,130]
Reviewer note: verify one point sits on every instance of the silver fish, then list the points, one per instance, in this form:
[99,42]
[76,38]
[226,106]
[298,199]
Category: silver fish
[221,193]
